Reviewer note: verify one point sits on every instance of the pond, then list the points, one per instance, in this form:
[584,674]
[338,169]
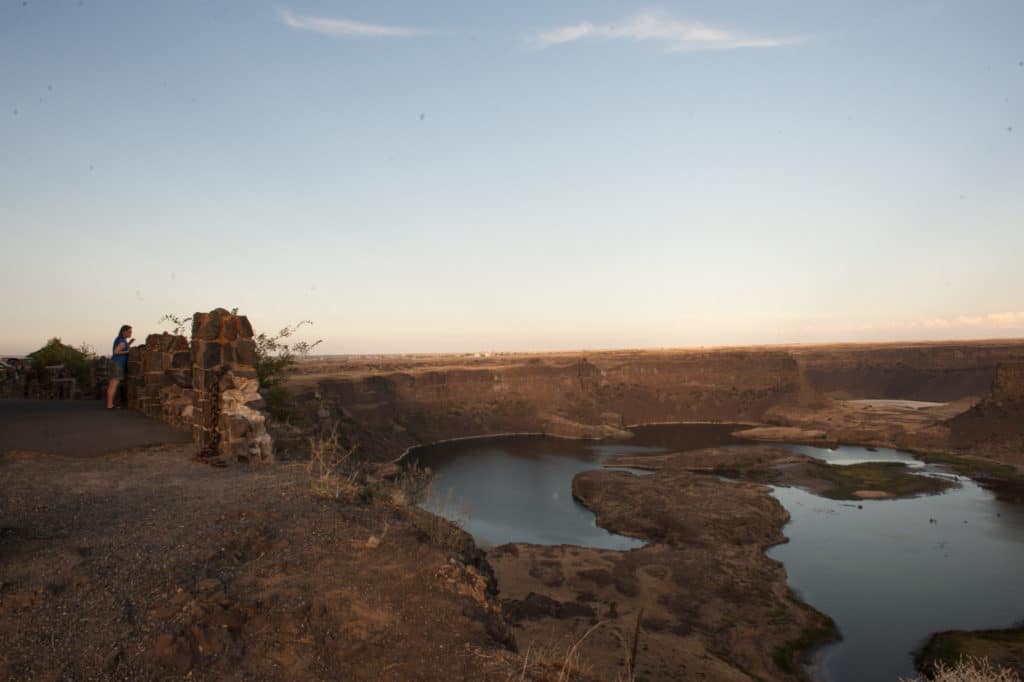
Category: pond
[889,572]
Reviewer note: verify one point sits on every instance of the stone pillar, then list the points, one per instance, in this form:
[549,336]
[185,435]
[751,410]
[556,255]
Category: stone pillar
[227,424]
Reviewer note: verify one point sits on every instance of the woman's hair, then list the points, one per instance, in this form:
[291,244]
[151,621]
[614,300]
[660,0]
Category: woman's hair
[124,328]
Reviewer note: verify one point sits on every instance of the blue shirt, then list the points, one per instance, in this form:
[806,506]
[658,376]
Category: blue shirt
[119,359]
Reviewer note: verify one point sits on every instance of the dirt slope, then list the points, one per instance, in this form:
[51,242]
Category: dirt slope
[147,565]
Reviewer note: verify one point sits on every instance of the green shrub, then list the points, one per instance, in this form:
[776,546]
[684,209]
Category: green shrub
[279,402]
[77,361]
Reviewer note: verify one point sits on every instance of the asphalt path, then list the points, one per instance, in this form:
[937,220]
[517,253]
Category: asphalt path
[79,428]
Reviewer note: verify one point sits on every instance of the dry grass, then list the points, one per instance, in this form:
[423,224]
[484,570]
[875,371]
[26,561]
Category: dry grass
[444,525]
[969,669]
[411,485]
[631,649]
[560,661]
[332,470]
[572,664]
[554,662]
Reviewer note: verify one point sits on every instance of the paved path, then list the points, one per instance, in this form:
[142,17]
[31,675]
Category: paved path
[79,428]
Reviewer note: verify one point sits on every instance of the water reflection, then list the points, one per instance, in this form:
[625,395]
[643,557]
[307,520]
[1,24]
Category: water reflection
[849,454]
[520,489]
[892,572]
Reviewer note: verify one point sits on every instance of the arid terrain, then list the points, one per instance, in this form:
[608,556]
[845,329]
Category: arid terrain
[149,565]
[142,563]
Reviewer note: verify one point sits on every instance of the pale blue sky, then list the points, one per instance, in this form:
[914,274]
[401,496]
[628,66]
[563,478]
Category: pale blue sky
[513,176]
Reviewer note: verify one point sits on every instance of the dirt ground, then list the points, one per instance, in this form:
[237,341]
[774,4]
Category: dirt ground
[148,565]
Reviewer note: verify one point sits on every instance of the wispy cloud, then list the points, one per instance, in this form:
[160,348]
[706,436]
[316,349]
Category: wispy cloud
[933,327]
[347,27]
[679,35]
[1011,320]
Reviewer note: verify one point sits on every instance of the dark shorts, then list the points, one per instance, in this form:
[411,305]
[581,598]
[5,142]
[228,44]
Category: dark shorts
[116,370]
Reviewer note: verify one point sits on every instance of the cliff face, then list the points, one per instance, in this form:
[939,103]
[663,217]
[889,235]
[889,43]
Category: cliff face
[995,426]
[932,372]
[1008,386]
[566,395]
[389,403]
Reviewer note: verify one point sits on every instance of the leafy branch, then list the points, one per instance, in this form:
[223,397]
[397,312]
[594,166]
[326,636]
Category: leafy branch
[274,356]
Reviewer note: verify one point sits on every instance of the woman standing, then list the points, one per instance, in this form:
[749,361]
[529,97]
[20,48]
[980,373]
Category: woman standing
[119,361]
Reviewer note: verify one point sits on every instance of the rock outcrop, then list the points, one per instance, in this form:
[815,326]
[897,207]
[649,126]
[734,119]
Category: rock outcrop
[995,426]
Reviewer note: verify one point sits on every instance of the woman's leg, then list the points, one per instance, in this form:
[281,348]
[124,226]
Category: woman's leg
[111,391]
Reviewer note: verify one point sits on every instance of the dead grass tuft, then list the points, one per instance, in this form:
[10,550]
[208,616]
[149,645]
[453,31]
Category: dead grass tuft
[968,669]
[411,485]
[559,661]
[444,525]
[333,472]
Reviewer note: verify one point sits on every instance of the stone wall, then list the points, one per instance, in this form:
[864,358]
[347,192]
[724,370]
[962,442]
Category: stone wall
[163,387]
[209,386]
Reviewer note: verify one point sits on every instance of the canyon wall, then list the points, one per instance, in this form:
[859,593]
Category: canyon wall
[938,372]
[995,426]
[1008,386]
[562,394]
[389,403]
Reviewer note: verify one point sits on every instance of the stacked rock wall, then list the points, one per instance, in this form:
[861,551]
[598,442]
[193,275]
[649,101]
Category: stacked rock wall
[209,386]
[166,386]
[133,386]
[228,424]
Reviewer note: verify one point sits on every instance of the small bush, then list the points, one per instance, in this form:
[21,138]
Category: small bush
[279,403]
[274,356]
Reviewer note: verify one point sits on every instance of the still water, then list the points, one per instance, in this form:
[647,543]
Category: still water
[889,572]
[892,572]
[520,489]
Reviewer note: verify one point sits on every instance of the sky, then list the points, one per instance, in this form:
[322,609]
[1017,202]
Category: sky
[495,176]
